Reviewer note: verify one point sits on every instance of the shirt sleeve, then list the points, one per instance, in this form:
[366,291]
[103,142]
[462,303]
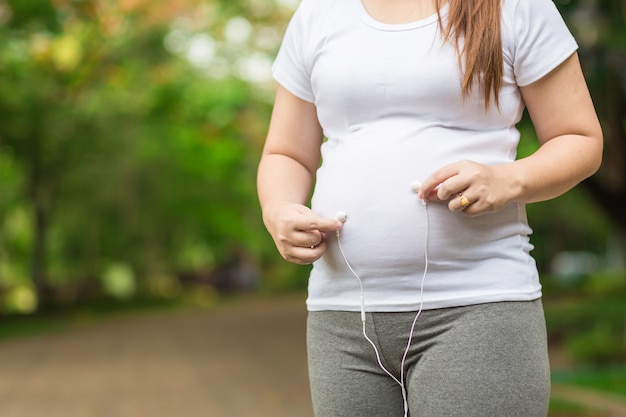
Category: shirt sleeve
[290,68]
[542,40]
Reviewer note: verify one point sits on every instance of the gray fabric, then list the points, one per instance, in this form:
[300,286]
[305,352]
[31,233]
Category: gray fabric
[486,360]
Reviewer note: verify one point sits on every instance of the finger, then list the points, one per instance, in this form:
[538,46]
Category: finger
[307,238]
[305,230]
[305,256]
[431,196]
[320,224]
[288,243]
[451,188]
[460,202]
[435,182]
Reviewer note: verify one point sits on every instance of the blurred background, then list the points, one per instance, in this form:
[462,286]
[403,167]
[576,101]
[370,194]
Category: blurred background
[130,131]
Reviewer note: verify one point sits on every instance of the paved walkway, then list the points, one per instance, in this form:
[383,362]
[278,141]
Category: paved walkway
[246,359]
[605,405]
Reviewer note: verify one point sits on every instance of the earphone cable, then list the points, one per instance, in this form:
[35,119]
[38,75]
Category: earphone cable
[400,381]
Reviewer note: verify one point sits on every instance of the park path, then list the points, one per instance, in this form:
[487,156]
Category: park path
[245,359]
[604,404]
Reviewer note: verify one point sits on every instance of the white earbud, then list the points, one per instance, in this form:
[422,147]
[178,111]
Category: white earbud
[342,217]
[416,187]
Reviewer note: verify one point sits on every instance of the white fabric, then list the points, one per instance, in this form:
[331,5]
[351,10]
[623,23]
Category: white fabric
[389,101]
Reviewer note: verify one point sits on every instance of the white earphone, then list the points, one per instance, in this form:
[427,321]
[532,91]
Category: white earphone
[415,186]
[343,217]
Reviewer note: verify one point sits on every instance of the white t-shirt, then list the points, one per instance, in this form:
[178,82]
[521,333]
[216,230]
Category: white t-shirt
[389,100]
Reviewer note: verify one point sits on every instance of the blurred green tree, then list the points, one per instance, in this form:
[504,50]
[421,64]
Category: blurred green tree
[130,140]
[600,28]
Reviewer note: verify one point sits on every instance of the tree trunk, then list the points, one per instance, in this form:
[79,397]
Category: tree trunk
[38,260]
[40,225]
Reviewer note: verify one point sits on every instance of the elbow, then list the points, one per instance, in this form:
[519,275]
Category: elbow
[595,151]
[599,149]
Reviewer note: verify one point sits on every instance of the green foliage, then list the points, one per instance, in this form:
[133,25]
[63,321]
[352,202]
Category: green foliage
[559,407]
[598,346]
[38,14]
[606,379]
[127,154]
[557,227]
[590,318]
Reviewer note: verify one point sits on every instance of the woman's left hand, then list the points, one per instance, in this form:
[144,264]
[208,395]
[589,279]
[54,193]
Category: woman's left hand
[470,187]
[570,139]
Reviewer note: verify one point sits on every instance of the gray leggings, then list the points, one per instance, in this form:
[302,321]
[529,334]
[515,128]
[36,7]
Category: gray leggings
[486,360]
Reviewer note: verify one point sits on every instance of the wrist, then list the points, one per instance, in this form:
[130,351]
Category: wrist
[516,182]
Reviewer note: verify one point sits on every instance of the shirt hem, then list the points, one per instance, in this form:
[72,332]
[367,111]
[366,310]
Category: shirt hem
[428,305]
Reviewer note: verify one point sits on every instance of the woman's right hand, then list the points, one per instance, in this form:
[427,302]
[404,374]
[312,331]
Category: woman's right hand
[290,159]
[299,233]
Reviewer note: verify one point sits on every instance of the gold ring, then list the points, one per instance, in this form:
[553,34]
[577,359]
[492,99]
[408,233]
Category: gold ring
[464,201]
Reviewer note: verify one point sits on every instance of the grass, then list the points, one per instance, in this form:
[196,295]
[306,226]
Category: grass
[60,319]
[17,325]
[606,379]
[561,408]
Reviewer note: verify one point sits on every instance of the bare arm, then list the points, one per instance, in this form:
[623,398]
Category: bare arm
[570,136]
[285,179]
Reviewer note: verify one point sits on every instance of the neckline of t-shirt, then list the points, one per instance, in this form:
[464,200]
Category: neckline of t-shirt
[369,20]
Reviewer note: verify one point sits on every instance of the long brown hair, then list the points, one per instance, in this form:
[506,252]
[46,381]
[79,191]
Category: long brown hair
[477,24]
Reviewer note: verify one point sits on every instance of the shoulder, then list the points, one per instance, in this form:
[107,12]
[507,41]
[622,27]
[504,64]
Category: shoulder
[515,9]
[531,18]
[535,38]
